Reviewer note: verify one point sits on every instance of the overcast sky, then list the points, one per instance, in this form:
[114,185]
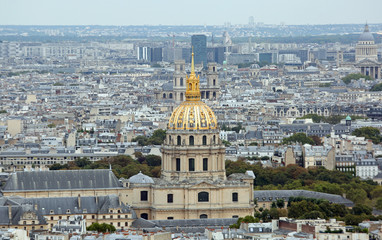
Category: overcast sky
[196,12]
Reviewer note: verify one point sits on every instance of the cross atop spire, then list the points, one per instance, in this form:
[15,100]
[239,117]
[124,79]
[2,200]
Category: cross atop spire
[193,91]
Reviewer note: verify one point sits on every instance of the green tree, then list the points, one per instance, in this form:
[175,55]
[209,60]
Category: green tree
[298,138]
[376,88]
[378,204]
[371,133]
[226,143]
[82,162]
[354,76]
[153,160]
[246,219]
[280,203]
[359,209]
[101,227]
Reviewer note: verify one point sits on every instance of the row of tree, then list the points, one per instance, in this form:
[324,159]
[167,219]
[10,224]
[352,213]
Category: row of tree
[333,119]
[316,179]
[122,165]
[354,76]
[157,138]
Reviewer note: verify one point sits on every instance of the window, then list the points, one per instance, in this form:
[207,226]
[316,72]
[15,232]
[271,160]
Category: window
[181,81]
[203,216]
[205,164]
[191,140]
[214,140]
[235,197]
[235,216]
[144,196]
[178,140]
[191,164]
[177,163]
[170,198]
[170,218]
[203,197]
[204,140]
[145,216]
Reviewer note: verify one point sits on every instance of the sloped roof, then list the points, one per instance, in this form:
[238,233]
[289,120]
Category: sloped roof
[62,180]
[272,195]
[183,225]
[58,205]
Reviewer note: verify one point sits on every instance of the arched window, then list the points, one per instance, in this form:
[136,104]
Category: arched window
[181,81]
[164,95]
[214,82]
[204,140]
[170,96]
[203,216]
[214,139]
[179,140]
[235,197]
[169,139]
[181,96]
[203,197]
[191,140]
[190,86]
[145,216]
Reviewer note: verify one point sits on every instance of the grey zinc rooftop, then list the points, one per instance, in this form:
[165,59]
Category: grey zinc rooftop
[183,225]
[62,180]
[273,195]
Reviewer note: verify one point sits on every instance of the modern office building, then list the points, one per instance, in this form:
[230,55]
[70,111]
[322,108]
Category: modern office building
[199,43]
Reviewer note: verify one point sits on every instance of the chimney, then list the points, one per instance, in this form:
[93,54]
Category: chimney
[119,199]
[96,198]
[79,201]
[10,213]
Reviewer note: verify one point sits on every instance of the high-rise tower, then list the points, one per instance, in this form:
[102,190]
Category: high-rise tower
[199,43]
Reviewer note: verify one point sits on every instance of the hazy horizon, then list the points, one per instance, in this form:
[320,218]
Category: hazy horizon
[171,12]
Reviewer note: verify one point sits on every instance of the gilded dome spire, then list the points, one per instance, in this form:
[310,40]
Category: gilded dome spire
[193,91]
[193,114]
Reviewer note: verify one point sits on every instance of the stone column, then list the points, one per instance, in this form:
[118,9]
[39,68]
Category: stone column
[371,72]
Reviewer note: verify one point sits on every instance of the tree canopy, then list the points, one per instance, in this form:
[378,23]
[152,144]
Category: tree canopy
[298,138]
[157,138]
[376,87]
[354,76]
[371,133]
[103,227]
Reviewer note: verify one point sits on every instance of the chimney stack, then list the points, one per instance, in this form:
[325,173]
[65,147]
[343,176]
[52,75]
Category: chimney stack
[79,201]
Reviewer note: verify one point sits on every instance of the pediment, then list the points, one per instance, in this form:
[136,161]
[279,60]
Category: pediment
[366,61]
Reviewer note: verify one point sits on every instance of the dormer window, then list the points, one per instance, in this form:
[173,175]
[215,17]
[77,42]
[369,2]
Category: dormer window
[68,211]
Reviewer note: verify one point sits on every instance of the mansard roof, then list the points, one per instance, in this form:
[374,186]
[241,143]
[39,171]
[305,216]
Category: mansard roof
[61,180]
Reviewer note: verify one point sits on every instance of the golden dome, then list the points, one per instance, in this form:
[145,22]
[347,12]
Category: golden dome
[193,113]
